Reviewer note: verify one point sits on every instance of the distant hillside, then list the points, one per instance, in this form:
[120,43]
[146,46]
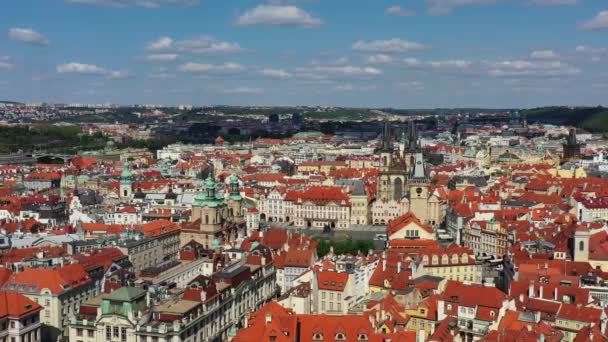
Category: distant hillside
[12,103]
[594,119]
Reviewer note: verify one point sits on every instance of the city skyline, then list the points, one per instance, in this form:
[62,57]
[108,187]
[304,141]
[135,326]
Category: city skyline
[409,54]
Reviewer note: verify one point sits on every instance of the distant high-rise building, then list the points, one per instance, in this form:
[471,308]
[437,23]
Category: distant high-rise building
[297,119]
[273,118]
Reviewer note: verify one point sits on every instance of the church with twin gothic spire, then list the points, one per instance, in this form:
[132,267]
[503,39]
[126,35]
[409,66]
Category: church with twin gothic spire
[403,183]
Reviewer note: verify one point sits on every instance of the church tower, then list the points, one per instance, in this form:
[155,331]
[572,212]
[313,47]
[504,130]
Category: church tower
[235,200]
[126,182]
[209,211]
[418,185]
[572,149]
[412,148]
[391,179]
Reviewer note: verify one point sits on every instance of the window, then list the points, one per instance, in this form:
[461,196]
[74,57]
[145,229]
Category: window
[79,332]
[108,334]
[317,337]
[116,332]
[91,333]
[123,334]
[340,337]
[581,246]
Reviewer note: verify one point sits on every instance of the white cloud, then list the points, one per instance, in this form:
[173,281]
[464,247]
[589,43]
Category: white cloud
[162,43]
[597,23]
[544,54]
[226,68]
[590,50]
[441,7]
[594,54]
[242,90]
[201,45]
[162,57]
[277,15]
[387,46]
[80,68]
[399,11]
[344,87]
[275,73]
[138,3]
[5,63]
[451,63]
[411,85]
[379,59]
[207,45]
[117,74]
[27,35]
[411,61]
[555,2]
[350,70]
[531,68]
[91,69]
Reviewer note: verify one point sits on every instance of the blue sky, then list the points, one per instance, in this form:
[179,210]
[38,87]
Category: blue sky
[377,53]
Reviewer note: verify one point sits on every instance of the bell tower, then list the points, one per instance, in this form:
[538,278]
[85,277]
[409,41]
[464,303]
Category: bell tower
[126,182]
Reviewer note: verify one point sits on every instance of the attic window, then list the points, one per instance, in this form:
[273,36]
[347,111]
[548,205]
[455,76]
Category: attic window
[333,283]
[340,337]
[362,337]
[317,337]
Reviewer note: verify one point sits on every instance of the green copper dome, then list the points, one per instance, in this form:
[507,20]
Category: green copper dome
[208,198]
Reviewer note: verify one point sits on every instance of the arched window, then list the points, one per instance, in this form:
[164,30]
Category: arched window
[454,258]
[444,259]
[425,260]
[464,258]
[340,337]
[581,246]
[317,337]
[206,219]
[435,260]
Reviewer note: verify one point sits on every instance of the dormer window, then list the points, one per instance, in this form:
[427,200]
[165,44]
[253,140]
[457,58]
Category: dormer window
[362,337]
[317,337]
[340,337]
[464,258]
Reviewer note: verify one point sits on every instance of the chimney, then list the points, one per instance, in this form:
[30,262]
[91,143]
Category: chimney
[268,317]
[203,296]
[540,292]
[531,290]
[555,293]
[399,267]
[384,265]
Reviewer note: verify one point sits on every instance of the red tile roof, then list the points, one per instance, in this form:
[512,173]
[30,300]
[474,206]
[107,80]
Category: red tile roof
[332,281]
[57,281]
[400,222]
[16,306]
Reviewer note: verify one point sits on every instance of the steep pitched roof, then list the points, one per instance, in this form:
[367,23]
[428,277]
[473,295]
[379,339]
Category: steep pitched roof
[16,305]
